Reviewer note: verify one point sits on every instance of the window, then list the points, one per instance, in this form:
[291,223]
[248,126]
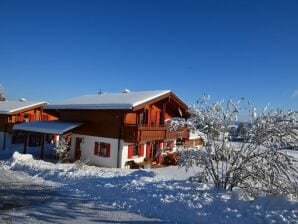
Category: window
[49,138]
[144,117]
[26,118]
[102,149]
[34,140]
[135,151]
[161,118]
[170,146]
[179,142]
[18,138]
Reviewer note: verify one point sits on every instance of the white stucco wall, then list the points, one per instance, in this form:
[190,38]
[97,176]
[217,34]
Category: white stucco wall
[87,150]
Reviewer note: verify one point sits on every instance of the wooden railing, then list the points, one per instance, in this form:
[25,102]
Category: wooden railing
[136,133]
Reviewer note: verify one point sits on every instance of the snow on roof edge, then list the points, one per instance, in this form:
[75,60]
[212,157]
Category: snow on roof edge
[23,107]
[90,106]
[151,98]
[50,127]
[32,105]
[107,105]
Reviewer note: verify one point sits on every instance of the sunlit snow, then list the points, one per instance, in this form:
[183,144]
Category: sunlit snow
[35,191]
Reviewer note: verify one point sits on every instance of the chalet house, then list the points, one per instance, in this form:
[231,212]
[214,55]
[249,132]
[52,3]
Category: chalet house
[114,129]
[15,112]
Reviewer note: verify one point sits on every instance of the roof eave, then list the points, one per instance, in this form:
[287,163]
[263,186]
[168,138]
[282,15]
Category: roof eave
[21,109]
[88,107]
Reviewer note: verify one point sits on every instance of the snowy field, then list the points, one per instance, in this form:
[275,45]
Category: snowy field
[35,191]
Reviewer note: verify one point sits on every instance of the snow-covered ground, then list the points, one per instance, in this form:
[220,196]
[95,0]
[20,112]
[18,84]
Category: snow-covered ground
[35,191]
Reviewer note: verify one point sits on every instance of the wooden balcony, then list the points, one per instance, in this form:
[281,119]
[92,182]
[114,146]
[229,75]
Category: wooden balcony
[136,133]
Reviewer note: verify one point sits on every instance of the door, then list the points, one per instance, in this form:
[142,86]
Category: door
[78,148]
[153,150]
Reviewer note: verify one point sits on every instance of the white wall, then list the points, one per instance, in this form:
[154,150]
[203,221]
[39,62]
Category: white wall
[87,150]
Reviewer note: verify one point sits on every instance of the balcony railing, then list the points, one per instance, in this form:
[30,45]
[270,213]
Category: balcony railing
[133,133]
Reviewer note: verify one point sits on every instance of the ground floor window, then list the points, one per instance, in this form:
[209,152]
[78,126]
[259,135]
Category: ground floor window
[18,138]
[49,138]
[179,142]
[102,149]
[136,150]
[35,139]
[169,146]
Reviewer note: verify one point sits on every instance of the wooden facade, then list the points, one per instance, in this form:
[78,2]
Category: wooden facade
[130,126]
[30,113]
[142,124]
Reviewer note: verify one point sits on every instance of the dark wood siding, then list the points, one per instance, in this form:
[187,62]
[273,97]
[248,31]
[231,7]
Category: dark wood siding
[96,122]
[8,120]
[127,125]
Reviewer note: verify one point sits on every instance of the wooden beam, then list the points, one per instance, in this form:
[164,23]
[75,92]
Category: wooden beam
[25,143]
[42,145]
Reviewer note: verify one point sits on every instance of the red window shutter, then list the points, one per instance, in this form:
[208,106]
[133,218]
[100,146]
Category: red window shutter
[130,151]
[108,150]
[141,150]
[171,146]
[161,145]
[96,148]
[21,118]
[148,150]
[31,117]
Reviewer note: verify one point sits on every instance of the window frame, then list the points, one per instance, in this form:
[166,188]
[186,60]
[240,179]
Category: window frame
[103,149]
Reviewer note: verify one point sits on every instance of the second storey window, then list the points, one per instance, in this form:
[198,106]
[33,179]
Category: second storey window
[143,117]
[102,149]
[161,118]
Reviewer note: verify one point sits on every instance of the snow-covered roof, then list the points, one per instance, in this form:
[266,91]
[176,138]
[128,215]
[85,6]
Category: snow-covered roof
[8,107]
[125,100]
[50,127]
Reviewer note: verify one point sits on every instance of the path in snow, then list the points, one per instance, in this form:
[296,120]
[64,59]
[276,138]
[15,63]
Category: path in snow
[86,194]
[23,200]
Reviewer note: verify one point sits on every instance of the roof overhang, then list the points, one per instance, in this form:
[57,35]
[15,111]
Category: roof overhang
[14,107]
[89,107]
[49,127]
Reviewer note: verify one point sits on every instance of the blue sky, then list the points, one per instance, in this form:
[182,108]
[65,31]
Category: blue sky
[54,50]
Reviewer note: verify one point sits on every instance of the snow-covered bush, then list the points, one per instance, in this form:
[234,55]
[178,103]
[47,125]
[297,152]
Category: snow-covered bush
[259,165]
[62,150]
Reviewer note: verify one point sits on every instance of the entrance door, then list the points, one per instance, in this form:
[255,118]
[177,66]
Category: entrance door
[78,148]
[153,150]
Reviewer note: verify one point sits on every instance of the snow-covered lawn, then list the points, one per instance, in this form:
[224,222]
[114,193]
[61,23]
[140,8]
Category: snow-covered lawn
[76,193]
